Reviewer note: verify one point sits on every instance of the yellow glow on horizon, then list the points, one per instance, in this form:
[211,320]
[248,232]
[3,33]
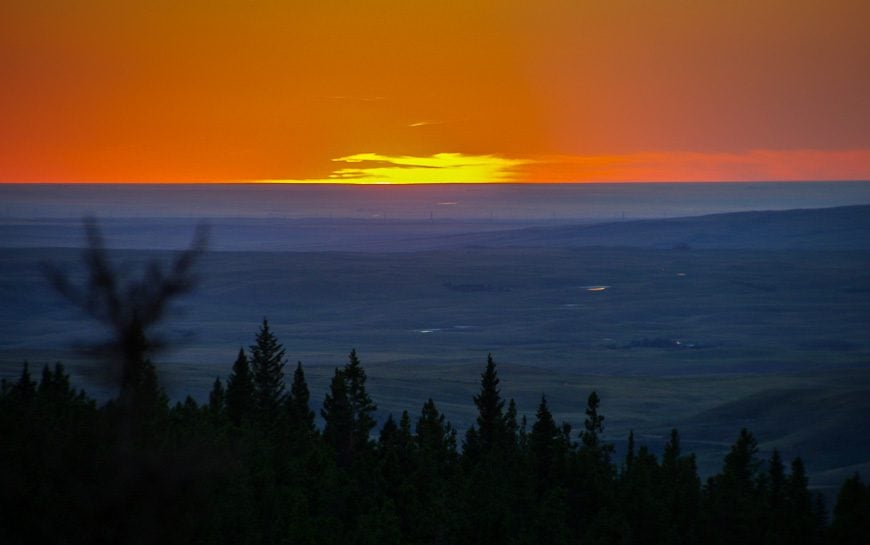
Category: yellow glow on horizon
[440,168]
[459,168]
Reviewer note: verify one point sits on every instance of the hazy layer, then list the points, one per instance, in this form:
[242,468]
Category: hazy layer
[502,202]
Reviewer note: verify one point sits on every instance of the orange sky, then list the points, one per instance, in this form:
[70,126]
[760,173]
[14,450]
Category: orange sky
[428,90]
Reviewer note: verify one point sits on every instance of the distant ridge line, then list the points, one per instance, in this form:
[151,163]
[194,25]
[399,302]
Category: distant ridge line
[835,228]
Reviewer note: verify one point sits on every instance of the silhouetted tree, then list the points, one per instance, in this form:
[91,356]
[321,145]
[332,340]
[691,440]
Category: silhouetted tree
[361,405]
[436,438]
[733,501]
[338,430]
[851,525]
[267,367]
[24,391]
[680,493]
[593,427]
[490,430]
[240,398]
[640,499]
[544,445]
[217,399]
[301,415]
[801,524]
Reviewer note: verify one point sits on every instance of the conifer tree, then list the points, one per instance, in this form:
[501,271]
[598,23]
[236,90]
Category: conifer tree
[594,423]
[301,415]
[671,455]
[267,367]
[490,417]
[543,443]
[54,392]
[141,398]
[801,517]
[338,417]
[240,390]
[388,434]
[775,511]
[511,427]
[592,448]
[680,493]
[733,504]
[629,451]
[405,429]
[217,399]
[436,438]
[25,389]
[851,525]
[435,454]
[361,404]
[741,462]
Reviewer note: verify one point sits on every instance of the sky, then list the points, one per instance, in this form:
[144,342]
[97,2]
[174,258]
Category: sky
[393,91]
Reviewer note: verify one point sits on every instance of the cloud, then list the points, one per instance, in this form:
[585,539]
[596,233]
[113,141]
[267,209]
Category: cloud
[425,123]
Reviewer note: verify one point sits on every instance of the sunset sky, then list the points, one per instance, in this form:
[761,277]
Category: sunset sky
[433,91]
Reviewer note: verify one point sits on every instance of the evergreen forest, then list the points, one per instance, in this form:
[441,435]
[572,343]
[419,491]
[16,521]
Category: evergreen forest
[252,465]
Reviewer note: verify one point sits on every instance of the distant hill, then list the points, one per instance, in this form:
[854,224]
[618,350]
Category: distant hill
[840,228]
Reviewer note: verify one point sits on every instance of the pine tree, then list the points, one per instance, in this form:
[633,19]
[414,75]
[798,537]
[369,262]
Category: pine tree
[301,415]
[436,438]
[741,462]
[361,404]
[435,454]
[338,417]
[671,455]
[217,399]
[54,392]
[510,442]
[24,391]
[543,444]
[490,418]
[240,390]
[267,366]
[733,502]
[592,491]
[680,493]
[851,525]
[629,451]
[593,425]
[801,519]
[775,512]
[640,497]
[388,434]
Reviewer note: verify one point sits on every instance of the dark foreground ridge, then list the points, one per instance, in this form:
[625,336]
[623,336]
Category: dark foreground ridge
[252,466]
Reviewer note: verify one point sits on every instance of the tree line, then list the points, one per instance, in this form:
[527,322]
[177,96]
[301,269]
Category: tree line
[254,465]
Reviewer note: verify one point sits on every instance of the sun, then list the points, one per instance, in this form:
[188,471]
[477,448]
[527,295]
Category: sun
[456,168]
